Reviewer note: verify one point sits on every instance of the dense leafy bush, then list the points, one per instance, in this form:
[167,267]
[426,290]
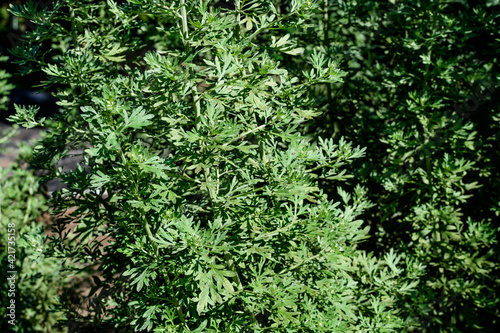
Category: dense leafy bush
[38,279]
[197,197]
[419,94]
[200,205]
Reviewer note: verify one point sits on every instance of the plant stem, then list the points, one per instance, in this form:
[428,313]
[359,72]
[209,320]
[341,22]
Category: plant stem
[245,134]
[175,300]
[194,91]
[237,5]
[326,44]
[184,22]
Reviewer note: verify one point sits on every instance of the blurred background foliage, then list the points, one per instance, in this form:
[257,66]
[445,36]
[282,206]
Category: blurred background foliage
[39,279]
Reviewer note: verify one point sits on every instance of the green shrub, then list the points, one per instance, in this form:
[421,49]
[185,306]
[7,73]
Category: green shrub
[419,94]
[38,279]
[197,197]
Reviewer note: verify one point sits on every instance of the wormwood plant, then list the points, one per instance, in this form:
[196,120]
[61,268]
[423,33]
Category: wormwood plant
[197,199]
[420,93]
[38,278]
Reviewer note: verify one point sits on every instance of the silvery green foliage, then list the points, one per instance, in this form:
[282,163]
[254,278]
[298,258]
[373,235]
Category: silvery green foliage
[198,198]
[39,279]
[5,86]
[420,94]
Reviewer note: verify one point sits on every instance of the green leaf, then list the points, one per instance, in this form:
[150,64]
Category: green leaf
[282,40]
[99,180]
[203,298]
[25,116]
[111,53]
[141,280]
[296,51]
[137,119]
